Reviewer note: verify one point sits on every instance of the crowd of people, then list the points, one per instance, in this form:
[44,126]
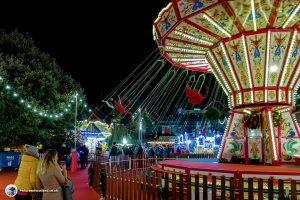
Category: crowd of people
[147,150]
[117,150]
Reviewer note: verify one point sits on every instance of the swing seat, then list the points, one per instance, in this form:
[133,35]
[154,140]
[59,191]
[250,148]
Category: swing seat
[189,92]
[119,107]
[194,97]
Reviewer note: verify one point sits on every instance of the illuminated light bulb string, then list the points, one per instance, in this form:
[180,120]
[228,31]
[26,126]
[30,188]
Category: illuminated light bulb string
[39,111]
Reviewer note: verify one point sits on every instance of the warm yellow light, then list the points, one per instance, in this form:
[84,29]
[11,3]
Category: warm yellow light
[219,73]
[224,136]
[184,50]
[253,14]
[272,135]
[286,63]
[248,68]
[216,25]
[194,38]
[273,68]
[267,65]
[291,16]
[232,72]
[247,111]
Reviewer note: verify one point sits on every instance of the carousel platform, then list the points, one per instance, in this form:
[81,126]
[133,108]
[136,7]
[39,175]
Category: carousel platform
[228,169]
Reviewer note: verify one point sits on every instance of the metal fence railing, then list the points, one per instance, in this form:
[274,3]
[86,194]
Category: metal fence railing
[131,178]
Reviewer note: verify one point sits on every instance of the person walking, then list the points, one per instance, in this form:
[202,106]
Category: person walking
[140,156]
[82,159]
[113,154]
[86,152]
[50,176]
[26,179]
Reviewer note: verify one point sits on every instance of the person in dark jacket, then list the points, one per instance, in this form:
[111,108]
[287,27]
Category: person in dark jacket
[140,150]
[82,159]
[114,150]
[140,155]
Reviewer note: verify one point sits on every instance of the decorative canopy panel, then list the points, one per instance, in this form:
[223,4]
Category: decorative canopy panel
[251,46]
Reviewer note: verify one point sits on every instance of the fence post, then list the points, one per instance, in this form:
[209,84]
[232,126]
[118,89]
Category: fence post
[129,166]
[174,186]
[250,189]
[223,190]
[181,185]
[197,187]
[260,189]
[109,163]
[166,185]
[270,188]
[241,188]
[204,178]
[232,188]
[280,189]
[293,190]
[214,187]
[155,159]
[189,187]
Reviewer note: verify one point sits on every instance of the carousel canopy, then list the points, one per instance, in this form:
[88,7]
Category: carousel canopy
[251,46]
[95,128]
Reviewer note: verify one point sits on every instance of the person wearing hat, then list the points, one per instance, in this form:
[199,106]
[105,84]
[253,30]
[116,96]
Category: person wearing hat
[26,179]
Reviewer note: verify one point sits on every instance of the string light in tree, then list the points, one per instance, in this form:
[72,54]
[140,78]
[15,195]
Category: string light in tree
[34,108]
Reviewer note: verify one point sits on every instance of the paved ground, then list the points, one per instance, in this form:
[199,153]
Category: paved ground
[79,179]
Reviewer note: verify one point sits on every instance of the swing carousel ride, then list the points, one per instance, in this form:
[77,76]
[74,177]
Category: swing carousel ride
[158,102]
[252,48]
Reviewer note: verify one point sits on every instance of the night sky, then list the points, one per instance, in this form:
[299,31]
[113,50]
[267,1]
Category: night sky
[98,45]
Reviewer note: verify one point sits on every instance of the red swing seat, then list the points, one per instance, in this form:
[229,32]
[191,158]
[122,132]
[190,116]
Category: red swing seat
[119,107]
[194,97]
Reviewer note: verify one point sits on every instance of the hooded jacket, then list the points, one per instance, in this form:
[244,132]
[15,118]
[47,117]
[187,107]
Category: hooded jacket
[26,178]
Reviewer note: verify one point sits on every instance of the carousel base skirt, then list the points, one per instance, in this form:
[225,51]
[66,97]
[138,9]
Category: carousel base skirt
[228,169]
